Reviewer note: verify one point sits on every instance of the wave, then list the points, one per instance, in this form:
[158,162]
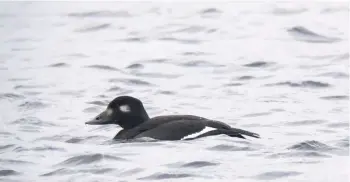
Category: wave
[88,159]
[305,35]
[131,81]
[65,171]
[100,14]
[59,65]
[305,84]
[277,175]
[102,67]
[258,64]
[164,176]
[311,145]
[94,28]
[8,172]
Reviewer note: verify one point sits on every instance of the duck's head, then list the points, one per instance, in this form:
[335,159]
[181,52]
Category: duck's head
[124,111]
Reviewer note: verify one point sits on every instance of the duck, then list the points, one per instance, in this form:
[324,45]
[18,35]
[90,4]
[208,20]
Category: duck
[129,113]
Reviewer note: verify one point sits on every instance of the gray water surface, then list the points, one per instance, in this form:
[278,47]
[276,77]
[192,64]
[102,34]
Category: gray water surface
[280,70]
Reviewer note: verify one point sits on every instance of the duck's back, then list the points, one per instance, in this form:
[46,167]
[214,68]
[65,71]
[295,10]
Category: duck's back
[177,127]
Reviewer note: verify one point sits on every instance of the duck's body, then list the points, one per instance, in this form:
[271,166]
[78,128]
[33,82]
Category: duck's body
[129,113]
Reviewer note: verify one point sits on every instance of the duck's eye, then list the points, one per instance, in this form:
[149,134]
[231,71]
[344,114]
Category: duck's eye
[124,108]
[98,118]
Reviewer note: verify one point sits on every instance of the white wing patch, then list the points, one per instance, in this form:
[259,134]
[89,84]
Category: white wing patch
[206,129]
[125,108]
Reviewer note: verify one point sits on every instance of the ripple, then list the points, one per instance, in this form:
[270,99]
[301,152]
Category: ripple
[335,75]
[298,154]
[86,139]
[11,161]
[23,49]
[29,86]
[210,13]
[335,9]
[306,122]
[156,61]
[11,96]
[277,175]
[245,77]
[195,164]
[94,28]
[103,67]
[210,10]
[191,86]
[344,56]
[305,84]
[233,84]
[184,41]
[59,65]
[18,79]
[76,55]
[166,92]
[119,90]
[339,125]
[91,109]
[23,39]
[8,172]
[285,11]
[98,103]
[130,172]
[32,121]
[311,145]
[89,159]
[76,93]
[257,114]
[199,63]
[61,171]
[131,82]
[344,143]
[54,138]
[303,34]
[31,93]
[48,148]
[39,149]
[223,147]
[133,39]
[194,53]
[100,14]
[20,149]
[335,97]
[33,105]
[135,66]
[114,88]
[64,171]
[192,29]
[3,147]
[157,75]
[258,64]
[164,176]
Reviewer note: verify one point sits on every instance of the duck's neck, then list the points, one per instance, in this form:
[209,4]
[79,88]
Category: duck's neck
[134,120]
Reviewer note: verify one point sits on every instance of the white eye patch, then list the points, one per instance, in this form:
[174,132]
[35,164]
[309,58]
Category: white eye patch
[109,112]
[125,108]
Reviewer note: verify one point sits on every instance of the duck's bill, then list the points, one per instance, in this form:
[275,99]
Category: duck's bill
[101,119]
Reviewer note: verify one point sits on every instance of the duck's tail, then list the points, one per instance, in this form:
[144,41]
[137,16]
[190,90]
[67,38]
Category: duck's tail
[223,128]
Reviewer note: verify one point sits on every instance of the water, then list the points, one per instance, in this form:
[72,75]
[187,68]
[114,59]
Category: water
[280,70]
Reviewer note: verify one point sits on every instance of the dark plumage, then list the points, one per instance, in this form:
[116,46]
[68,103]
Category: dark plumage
[129,113]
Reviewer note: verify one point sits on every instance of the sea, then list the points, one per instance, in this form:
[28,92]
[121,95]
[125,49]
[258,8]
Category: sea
[277,69]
